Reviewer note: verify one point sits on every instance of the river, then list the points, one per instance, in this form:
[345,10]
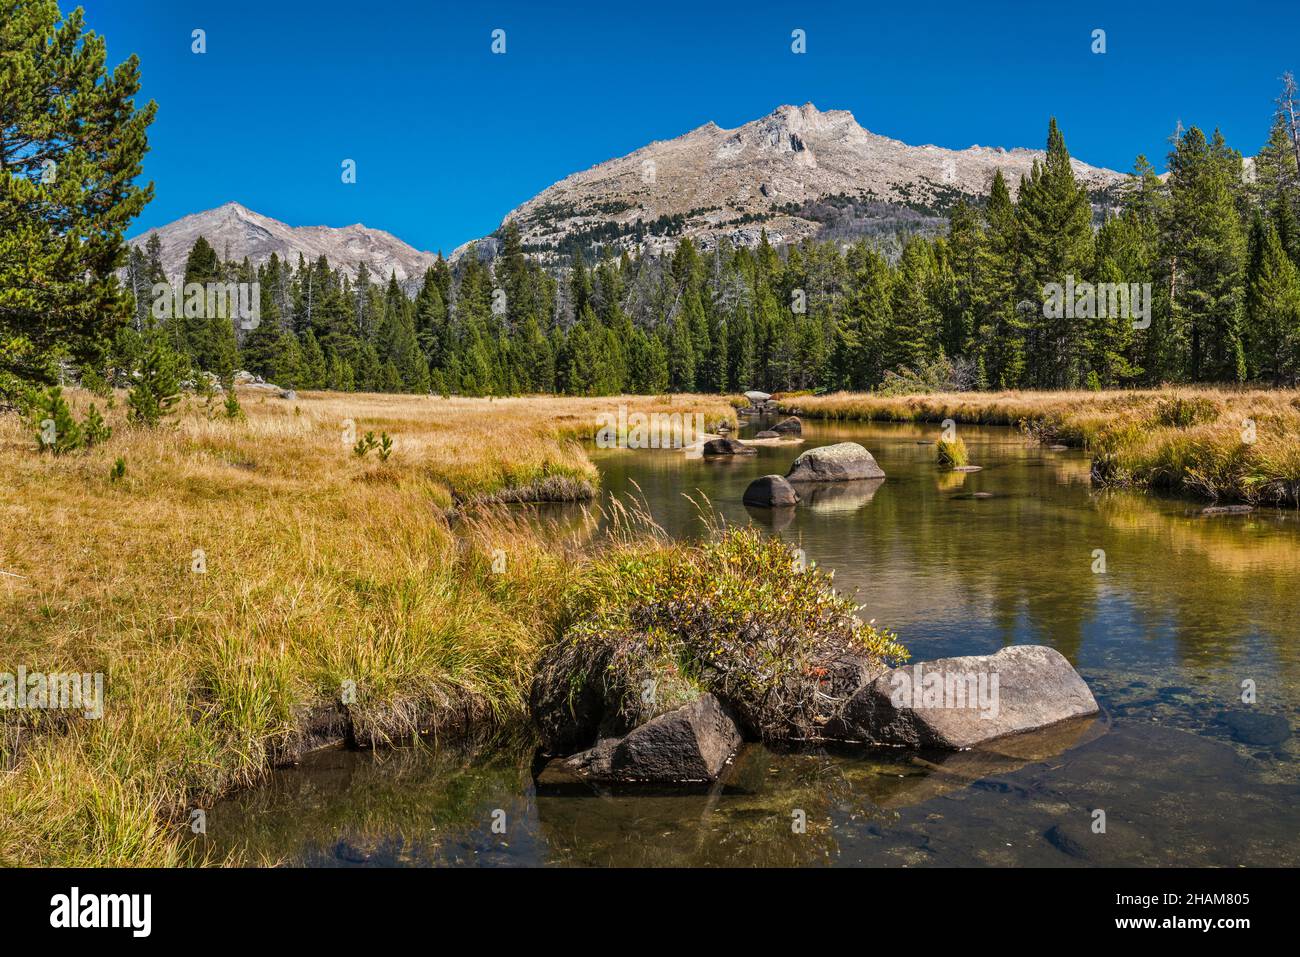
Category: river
[1171,617]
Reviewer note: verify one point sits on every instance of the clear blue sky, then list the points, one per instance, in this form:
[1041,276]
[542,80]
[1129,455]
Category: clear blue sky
[449,137]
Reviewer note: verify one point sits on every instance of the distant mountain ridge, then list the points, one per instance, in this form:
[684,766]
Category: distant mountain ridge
[796,172]
[235,231]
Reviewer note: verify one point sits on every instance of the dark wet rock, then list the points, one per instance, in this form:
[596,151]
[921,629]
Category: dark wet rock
[726,446]
[691,743]
[1227,510]
[768,434]
[973,496]
[1256,728]
[1063,842]
[350,854]
[770,491]
[792,425]
[842,462]
[962,702]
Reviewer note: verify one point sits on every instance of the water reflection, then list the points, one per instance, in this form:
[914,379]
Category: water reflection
[1186,609]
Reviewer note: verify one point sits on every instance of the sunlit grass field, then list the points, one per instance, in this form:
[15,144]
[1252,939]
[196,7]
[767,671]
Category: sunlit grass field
[319,568]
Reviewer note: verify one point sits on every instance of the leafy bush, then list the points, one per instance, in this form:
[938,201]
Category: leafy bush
[739,616]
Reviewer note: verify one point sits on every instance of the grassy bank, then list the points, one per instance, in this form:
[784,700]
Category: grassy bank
[321,572]
[1238,446]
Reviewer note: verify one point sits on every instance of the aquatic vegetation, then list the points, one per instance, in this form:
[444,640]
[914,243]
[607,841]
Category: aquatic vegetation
[951,453]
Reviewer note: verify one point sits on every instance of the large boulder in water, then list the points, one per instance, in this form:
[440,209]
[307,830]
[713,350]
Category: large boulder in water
[770,491]
[842,462]
[690,743]
[726,446]
[792,425]
[955,703]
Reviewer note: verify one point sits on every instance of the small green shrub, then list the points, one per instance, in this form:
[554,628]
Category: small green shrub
[57,431]
[156,387]
[365,445]
[118,471]
[93,428]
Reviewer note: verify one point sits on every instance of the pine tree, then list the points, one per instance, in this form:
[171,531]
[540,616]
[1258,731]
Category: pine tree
[1204,245]
[1055,246]
[1000,325]
[155,388]
[287,364]
[71,146]
[1272,326]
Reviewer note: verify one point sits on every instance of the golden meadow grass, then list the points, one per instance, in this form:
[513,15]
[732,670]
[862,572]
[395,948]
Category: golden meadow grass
[321,568]
[1209,443]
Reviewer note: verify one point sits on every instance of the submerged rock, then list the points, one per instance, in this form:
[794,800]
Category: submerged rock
[770,491]
[1254,728]
[768,434]
[842,462]
[1228,510]
[725,446]
[955,703]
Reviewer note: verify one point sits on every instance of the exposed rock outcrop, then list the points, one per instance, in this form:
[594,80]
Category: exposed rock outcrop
[726,446]
[955,703]
[842,462]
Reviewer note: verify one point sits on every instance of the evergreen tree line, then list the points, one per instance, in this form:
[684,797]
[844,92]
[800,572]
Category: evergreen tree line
[1216,241]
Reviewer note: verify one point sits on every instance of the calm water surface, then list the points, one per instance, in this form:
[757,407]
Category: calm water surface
[1186,610]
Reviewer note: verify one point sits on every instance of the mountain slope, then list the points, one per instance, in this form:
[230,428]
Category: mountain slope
[796,172]
[236,231]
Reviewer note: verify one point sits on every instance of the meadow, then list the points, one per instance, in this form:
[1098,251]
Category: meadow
[241,577]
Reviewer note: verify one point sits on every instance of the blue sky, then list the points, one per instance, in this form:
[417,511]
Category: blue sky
[448,137]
